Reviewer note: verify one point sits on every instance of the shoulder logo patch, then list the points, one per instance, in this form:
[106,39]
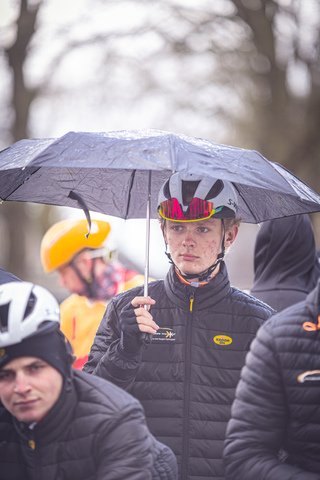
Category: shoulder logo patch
[222,340]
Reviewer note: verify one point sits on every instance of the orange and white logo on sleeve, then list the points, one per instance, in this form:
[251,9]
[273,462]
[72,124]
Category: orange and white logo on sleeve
[310,326]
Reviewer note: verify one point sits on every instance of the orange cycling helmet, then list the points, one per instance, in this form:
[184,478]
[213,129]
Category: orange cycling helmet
[64,240]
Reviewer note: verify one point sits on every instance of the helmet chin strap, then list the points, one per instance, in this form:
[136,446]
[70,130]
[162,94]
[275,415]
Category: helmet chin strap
[202,276]
[88,284]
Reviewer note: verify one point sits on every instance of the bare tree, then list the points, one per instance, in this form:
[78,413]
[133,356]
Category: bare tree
[17,53]
[16,221]
[286,36]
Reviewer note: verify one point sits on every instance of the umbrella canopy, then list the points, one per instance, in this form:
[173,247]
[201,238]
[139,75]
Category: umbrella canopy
[111,172]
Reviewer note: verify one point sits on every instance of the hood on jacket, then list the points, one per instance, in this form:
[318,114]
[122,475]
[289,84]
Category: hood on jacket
[286,264]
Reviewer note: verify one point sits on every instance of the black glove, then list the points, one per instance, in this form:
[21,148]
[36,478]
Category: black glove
[130,341]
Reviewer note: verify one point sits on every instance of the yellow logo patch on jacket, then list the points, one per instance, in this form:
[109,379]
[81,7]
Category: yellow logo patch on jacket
[222,340]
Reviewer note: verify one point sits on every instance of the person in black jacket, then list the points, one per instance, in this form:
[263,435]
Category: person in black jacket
[201,328]
[274,431]
[57,423]
[286,264]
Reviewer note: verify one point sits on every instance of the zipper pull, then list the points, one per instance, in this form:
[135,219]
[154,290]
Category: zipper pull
[32,444]
[191,298]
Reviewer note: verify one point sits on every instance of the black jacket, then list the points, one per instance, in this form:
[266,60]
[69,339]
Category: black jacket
[95,431]
[187,376]
[286,264]
[274,432]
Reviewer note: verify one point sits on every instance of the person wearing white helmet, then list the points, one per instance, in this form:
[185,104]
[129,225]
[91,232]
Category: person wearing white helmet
[184,199]
[83,266]
[200,328]
[57,422]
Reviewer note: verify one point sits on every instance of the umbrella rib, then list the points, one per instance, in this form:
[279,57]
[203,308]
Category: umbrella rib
[245,202]
[130,190]
[23,181]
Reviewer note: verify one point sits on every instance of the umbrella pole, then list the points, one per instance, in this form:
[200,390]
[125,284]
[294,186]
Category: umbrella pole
[147,252]
[147,337]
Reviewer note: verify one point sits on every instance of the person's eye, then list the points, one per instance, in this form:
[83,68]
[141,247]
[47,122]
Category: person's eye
[5,375]
[36,367]
[203,229]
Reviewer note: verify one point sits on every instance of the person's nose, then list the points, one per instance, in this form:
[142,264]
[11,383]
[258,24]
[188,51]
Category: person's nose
[188,239]
[21,384]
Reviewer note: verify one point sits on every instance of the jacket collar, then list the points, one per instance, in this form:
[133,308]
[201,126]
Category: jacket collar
[206,296]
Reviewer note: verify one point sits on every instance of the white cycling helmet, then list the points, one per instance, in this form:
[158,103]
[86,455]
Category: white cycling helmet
[23,308]
[186,197]
[197,198]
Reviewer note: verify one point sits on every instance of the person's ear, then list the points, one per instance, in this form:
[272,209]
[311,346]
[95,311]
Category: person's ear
[231,235]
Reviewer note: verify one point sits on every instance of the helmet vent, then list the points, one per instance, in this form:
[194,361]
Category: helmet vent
[4,311]
[188,190]
[215,190]
[166,190]
[30,305]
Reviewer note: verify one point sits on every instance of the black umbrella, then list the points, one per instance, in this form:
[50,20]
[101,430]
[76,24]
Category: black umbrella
[120,173]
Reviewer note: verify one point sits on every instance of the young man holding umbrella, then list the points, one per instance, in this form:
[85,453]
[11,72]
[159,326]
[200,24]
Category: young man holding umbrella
[201,328]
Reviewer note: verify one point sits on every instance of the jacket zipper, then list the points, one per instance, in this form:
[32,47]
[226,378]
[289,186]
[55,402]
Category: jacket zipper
[186,400]
[191,301]
[34,444]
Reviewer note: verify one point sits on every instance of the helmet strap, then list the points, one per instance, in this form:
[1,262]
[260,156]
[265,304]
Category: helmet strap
[88,284]
[203,276]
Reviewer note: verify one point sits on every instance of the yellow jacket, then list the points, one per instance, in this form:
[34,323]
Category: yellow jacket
[81,316]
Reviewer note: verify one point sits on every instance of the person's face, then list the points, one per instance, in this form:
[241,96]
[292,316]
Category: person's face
[69,278]
[194,246]
[29,387]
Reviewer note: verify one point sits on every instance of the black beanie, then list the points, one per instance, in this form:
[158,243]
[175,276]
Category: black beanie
[52,347]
